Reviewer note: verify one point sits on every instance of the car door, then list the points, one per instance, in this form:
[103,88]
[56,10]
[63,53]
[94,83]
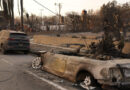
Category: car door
[55,64]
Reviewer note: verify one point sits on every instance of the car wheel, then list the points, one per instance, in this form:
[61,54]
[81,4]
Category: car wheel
[26,52]
[37,63]
[86,81]
[3,51]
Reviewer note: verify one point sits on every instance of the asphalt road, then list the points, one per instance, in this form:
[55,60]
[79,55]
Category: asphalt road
[14,77]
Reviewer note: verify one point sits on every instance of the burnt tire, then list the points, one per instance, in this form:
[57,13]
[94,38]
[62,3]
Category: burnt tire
[3,51]
[26,52]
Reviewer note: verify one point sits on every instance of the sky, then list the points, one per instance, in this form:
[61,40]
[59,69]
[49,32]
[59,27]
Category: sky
[67,6]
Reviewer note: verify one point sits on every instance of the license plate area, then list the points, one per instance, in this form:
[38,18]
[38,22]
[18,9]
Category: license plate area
[127,73]
[21,45]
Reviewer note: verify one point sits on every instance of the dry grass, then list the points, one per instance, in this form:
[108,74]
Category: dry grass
[53,40]
[58,41]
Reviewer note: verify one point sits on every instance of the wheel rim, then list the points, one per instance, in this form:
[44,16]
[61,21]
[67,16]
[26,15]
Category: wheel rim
[87,81]
[86,84]
[36,63]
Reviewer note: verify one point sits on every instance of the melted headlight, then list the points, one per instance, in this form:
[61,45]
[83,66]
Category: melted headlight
[115,74]
[127,72]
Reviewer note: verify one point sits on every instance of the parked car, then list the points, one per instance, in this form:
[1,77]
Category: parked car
[84,70]
[14,41]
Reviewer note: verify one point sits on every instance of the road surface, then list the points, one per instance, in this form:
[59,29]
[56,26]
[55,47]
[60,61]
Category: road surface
[14,77]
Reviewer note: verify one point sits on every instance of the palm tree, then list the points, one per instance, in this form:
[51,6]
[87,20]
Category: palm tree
[21,3]
[8,8]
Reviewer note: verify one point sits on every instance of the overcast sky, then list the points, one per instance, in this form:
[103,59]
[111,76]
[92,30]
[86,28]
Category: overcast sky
[67,6]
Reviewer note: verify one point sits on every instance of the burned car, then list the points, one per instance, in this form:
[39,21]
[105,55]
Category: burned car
[86,71]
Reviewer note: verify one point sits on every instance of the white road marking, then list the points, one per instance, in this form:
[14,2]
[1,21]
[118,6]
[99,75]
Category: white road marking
[6,61]
[47,81]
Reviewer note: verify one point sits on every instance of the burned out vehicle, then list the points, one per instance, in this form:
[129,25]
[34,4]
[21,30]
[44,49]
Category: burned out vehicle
[86,71]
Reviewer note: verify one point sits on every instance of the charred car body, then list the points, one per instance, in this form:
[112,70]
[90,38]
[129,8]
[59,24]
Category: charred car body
[82,69]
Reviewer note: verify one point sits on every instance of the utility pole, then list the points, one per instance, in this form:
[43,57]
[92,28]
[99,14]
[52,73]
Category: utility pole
[59,14]
[21,2]
[42,15]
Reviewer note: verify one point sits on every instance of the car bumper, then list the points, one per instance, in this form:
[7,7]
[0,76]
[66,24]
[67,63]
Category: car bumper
[16,48]
[125,84]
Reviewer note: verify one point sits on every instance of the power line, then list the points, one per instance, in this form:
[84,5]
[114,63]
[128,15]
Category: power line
[44,7]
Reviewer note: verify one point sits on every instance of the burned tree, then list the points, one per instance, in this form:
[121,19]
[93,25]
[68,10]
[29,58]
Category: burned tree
[112,27]
[112,23]
[74,21]
[111,18]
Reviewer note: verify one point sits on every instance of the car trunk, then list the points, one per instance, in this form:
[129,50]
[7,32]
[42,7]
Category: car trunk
[18,40]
